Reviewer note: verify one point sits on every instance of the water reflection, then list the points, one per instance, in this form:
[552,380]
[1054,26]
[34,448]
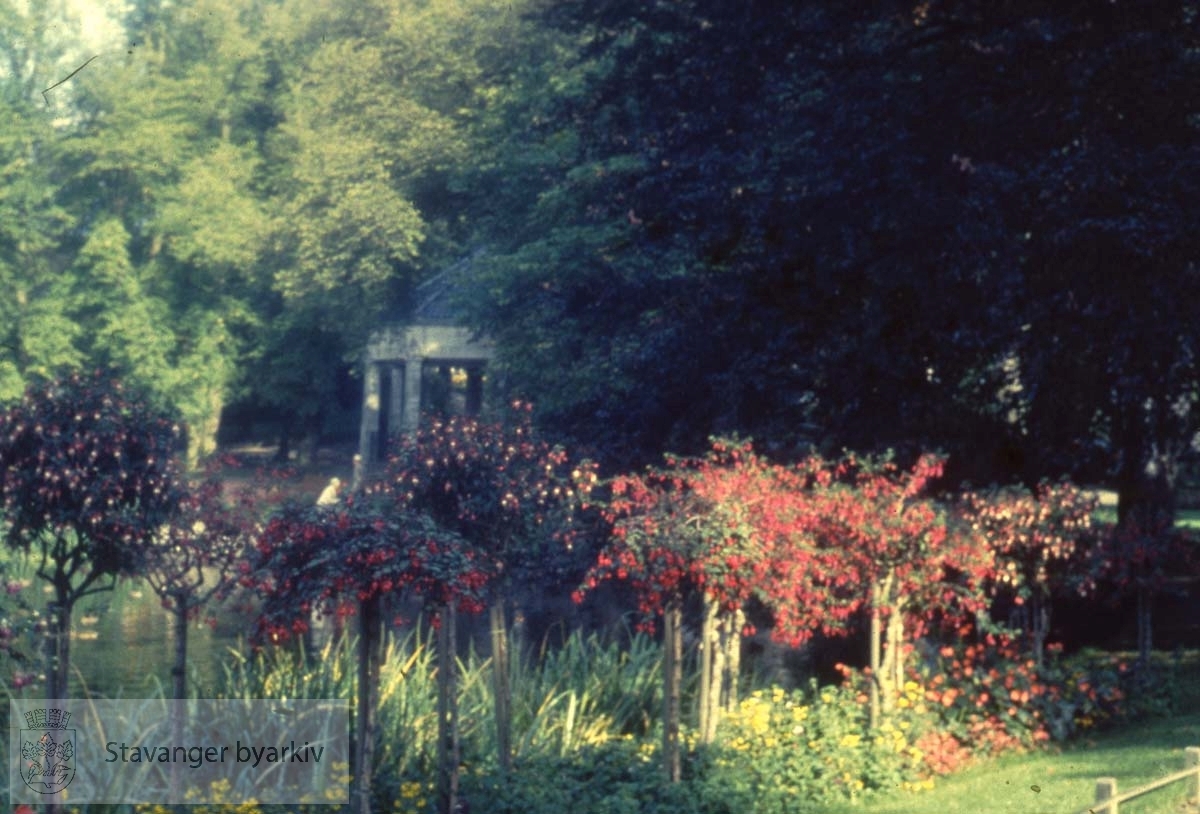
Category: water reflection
[122,644]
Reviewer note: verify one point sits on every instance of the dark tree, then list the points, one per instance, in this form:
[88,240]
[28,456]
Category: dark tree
[348,559]
[512,498]
[953,225]
[86,483]
[196,556]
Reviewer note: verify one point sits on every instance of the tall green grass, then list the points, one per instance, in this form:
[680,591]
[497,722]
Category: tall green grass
[587,691]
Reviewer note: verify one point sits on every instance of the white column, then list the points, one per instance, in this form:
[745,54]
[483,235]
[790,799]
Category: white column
[412,394]
[395,406]
[368,443]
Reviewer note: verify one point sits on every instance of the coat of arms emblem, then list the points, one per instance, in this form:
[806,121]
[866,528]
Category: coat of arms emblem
[47,750]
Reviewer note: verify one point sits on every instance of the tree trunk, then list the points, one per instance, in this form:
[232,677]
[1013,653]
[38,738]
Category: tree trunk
[312,438]
[710,673]
[501,685]
[733,658]
[1145,633]
[370,635]
[447,705]
[893,657]
[179,623]
[876,653]
[1039,626]
[284,451]
[202,432]
[672,681]
[1146,490]
[58,645]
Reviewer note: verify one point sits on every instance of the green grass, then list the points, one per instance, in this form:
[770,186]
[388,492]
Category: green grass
[1184,518]
[1060,782]
[1065,779]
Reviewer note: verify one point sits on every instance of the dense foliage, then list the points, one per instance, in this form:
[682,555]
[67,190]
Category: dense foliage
[86,480]
[508,494]
[896,225]
[942,225]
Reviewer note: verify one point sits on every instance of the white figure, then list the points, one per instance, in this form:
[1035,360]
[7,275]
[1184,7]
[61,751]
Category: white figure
[329,496]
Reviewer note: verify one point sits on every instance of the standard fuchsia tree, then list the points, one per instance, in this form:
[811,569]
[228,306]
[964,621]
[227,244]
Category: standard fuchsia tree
[196,555]
[348,559]
[1038,539]
[888,553]
[86,482]
[511,498]
[695,527]
[1142,557]
[822,544]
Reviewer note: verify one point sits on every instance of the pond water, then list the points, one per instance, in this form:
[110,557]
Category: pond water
[123,642]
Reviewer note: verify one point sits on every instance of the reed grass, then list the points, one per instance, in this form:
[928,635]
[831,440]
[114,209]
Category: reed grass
[587,691]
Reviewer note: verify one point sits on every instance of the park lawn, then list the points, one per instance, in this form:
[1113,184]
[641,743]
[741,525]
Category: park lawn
[1184,518]
[1060,781]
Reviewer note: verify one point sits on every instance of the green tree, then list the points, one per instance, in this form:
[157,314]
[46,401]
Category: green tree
[374,105]
[176,173]
[36,333]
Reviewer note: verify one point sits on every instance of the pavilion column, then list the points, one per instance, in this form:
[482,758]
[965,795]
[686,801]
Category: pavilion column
[395,406]
[368,440]
[412,394]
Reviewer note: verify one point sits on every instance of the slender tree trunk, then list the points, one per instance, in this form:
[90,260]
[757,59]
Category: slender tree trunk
[58,645]
[447,706]
[370,635]
[876,652]
[501,685]
[1039,626]
[733,658]
[1145,633]
[1146,490]
[720,675]
[672,681]
[202,433]
[179,624]
[284,451]
[710,675]
[893,659]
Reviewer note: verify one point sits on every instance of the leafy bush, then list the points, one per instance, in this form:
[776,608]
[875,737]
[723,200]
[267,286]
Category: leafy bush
[617,777]
[780,747]
[989,695]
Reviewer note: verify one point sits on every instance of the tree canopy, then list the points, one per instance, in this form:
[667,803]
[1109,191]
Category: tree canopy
[870,226]
[953,225]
